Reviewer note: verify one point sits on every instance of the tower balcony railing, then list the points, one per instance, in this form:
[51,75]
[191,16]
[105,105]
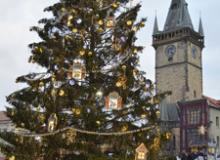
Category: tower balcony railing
[176,35]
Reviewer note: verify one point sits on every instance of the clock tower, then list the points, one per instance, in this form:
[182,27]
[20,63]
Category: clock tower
[179,55]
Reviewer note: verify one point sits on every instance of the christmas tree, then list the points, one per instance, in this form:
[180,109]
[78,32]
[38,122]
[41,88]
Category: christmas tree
[92,102]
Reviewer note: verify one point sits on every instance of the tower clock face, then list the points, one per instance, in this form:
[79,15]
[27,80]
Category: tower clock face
[194,52]
[170,51]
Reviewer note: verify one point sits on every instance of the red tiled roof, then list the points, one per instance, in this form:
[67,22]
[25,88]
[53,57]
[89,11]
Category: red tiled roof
[213,102]
[3,117]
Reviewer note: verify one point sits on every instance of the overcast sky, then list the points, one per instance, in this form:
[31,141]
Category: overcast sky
[16,17]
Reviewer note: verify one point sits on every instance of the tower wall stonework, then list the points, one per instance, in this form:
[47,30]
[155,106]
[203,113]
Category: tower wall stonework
[183,75]
[171,79]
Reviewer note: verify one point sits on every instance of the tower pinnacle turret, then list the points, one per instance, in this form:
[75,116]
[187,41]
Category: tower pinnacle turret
[156,28]
[201,31]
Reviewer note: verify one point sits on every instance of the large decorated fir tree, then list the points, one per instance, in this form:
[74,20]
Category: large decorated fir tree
[92,102]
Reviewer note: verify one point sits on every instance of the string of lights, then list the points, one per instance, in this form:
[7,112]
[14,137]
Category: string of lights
[25,133]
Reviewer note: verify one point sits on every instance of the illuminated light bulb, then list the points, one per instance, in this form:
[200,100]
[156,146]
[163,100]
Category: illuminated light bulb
[99,94]
[98,122]
[79,21]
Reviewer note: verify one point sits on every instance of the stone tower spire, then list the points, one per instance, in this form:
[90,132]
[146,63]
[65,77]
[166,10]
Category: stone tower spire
[178,16]
[201,31]
[178,55]
[156,28]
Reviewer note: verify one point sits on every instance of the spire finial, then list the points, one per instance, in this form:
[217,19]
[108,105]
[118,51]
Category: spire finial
[201,31]
[156,28]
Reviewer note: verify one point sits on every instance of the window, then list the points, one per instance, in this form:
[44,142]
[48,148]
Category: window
[141,155]
[218,141]
[194,137]
[174,142]
[193,116]
[217,121]
[194,93]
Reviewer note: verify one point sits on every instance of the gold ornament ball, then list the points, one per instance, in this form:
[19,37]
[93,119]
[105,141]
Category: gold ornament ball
[135,29]
[90,53]
[61,93]
[53,79]
[118,84]
[73,110]
[69,23]
[135,50]
[41,84]
[110,23]
[74,11]
[63,9]
[124,67]
[114,5]
[142,24]
[82,52]
[129,22]
[74,30]
[100,30]
[143,116]
[124,128]
[100,22]
[12,158]
[168,135]
[77,111]
[70,17]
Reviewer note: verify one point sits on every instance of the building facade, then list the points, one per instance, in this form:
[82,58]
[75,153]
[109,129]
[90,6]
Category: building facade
[188,114]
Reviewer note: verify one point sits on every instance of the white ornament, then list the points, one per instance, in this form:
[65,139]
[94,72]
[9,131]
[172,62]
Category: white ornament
[79,21]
